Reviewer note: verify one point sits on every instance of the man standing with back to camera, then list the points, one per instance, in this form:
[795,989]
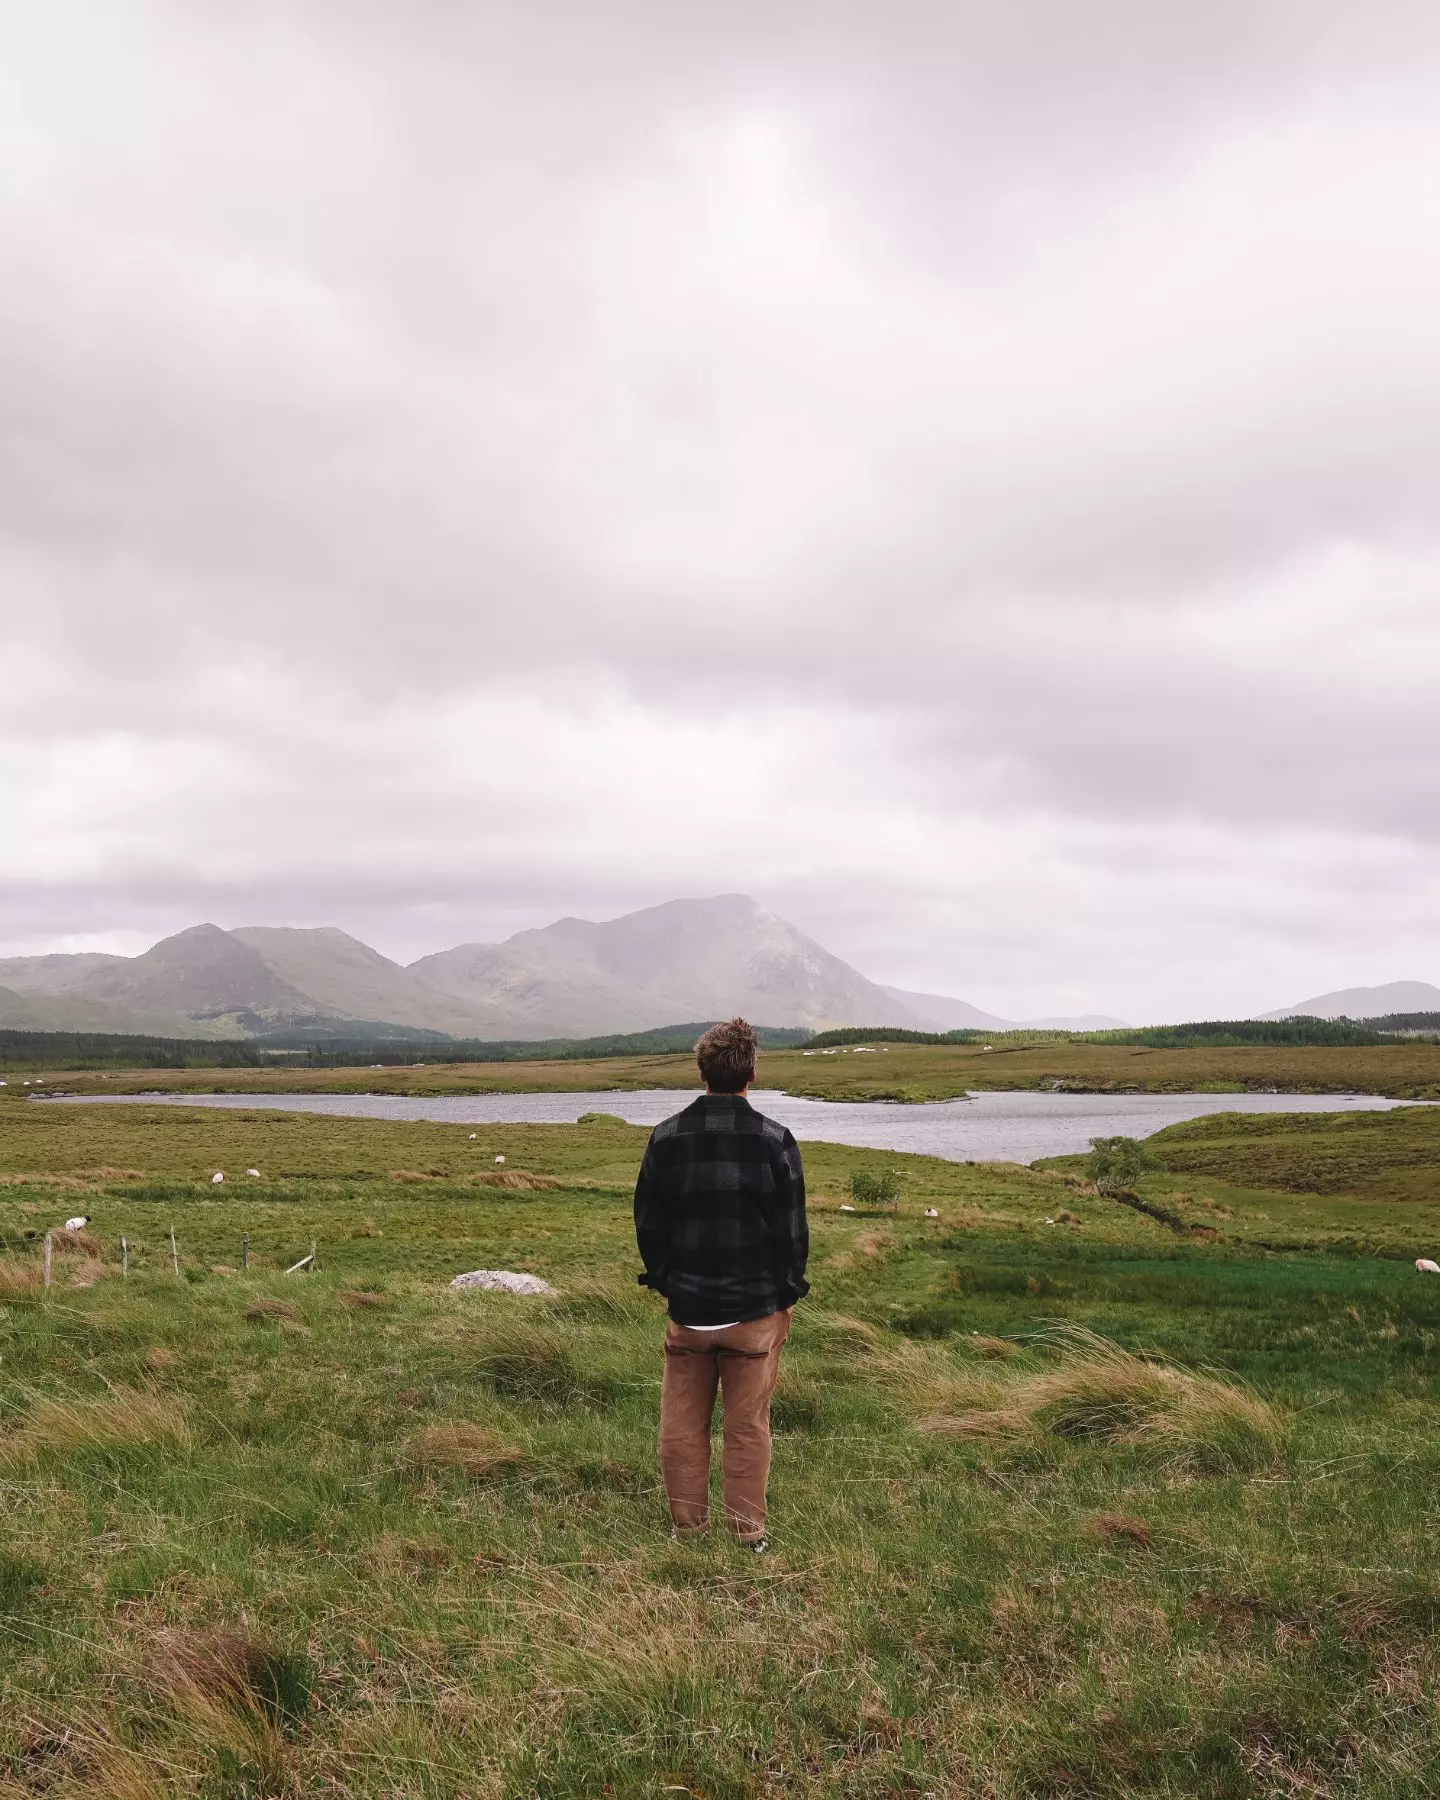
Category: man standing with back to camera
[720,1221]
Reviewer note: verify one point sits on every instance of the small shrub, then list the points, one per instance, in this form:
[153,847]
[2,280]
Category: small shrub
[875,1187]
[1115,1164]
[358,1299]
[600,1118]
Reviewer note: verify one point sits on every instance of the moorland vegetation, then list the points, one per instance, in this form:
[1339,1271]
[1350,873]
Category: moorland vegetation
[1113,1493]
[1403,1068]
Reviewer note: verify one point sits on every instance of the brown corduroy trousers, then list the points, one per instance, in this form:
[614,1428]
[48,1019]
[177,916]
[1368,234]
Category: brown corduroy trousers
[742,1361]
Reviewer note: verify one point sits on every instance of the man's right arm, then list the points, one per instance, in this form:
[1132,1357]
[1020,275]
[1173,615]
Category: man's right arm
[652,1231]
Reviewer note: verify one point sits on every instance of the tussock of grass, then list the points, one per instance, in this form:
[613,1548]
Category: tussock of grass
[518,1181]
[596,1302]
[837,1334]
[993,1349]
[75,1243]
[231,1663]
[20,1281]
[471,1449]
[358,1299]
[1121,1528]
[520,1361]
[119,1420]
[1105,1394]
[265,1308]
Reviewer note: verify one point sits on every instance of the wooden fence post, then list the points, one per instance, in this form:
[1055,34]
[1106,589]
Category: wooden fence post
[244,1250]
[49,1258]
[125,1256]
[174,1252]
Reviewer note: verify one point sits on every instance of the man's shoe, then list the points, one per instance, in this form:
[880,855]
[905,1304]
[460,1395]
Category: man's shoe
[761,1546]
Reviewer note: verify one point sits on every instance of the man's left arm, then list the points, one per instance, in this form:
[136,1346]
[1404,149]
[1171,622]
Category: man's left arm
[789,1228]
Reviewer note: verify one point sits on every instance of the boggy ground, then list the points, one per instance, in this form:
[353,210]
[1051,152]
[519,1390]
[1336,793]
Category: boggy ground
[1407,1070]
[351,1533]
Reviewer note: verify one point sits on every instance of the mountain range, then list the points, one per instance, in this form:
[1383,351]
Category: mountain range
[686,959]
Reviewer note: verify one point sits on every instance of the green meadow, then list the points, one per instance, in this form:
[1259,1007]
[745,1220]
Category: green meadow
[1073,1494]
[1407,1069]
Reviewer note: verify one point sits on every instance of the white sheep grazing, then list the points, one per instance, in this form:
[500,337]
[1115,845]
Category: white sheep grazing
[254,1172]
[499,1159]
[219,1175]
[1426,1267]
[932,1212]
[845,1206]
[78,1223]
[473,1136]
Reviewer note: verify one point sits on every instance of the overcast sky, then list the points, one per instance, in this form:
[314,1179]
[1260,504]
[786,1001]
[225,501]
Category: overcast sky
[966,475]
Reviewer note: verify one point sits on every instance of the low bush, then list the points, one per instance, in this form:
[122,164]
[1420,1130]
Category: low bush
[875,1187]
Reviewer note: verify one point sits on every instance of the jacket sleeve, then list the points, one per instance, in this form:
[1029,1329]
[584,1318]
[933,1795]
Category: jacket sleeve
[789,1229]
[652,1231]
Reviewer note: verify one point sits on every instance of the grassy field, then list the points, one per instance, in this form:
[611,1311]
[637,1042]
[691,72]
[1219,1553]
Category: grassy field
[909,1072]
[352,1533]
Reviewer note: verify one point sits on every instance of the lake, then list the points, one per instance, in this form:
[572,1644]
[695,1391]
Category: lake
[984,1127]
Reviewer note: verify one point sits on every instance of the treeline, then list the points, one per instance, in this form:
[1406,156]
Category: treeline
[897,1034]
[115,1050]
[1229,1034]
[82,1050]
[1218,1034]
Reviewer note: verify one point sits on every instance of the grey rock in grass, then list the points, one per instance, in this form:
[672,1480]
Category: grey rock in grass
[503,1281]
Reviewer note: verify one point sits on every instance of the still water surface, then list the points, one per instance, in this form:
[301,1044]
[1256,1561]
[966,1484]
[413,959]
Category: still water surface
[989,1127]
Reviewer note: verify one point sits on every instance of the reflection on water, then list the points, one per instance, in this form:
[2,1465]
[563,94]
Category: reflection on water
[1004,1127]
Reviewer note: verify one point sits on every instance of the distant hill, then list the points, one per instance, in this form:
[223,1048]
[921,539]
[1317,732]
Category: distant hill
[686,959]
[940,1013]
[1344,1003]
[937,1012]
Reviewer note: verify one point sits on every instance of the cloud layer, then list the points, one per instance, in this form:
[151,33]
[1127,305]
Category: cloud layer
[967,476]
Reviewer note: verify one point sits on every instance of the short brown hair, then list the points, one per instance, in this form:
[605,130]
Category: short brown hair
[726,1055]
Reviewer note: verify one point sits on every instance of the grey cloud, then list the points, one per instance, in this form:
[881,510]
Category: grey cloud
[1034,405]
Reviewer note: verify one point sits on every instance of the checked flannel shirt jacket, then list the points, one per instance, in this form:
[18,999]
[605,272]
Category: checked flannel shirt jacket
[720,1213]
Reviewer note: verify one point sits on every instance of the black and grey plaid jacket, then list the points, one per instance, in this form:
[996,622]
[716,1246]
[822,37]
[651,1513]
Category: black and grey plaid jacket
[720,1213]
